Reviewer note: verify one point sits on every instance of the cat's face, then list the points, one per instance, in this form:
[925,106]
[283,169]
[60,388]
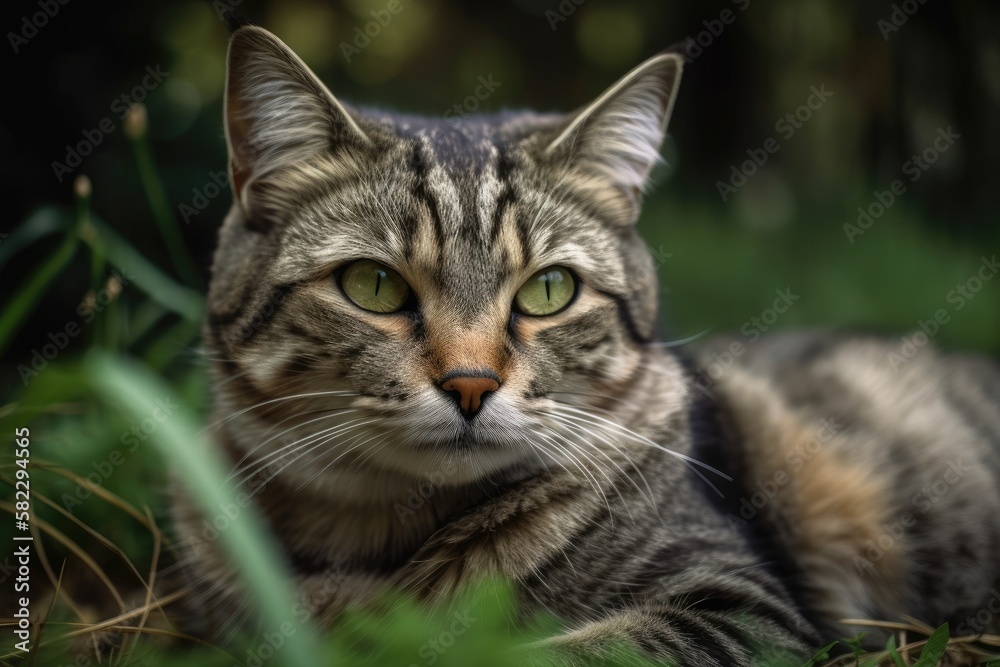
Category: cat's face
[459,293]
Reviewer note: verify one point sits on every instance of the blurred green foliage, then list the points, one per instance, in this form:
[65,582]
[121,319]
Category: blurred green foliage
[891,92]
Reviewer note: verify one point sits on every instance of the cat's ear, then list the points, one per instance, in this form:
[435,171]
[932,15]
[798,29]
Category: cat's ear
[618,135]
[277,114]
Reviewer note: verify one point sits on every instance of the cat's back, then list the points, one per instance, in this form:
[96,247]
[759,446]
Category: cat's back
[891,382]
[890,386]
[873,463]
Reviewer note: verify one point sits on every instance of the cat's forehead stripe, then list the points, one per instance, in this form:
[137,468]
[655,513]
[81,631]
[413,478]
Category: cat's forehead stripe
[465,147]
[429,223]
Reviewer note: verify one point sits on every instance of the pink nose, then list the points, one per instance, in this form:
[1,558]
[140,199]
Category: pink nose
[470,389]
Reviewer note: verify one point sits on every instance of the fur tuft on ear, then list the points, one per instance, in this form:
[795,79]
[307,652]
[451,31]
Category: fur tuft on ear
[277,112]
[619,134]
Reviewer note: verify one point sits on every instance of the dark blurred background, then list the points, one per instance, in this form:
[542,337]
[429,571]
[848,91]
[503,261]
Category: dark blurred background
[899,73]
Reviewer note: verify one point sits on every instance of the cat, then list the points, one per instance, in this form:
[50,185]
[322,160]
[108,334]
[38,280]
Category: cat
[434,349]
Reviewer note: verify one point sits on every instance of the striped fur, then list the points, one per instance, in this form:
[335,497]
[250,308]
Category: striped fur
[585,478]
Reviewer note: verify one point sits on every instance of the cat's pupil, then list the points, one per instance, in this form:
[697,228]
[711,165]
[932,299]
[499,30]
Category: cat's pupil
[546,292]
[378,280]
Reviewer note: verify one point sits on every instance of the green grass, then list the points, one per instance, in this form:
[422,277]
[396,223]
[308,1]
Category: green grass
[100,511]
[720,274]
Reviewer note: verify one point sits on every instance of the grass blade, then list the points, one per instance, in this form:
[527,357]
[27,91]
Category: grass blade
[136,124]
[890,648]
[43,222]
[27,295]
[934,650]
[162,288]
[136,389]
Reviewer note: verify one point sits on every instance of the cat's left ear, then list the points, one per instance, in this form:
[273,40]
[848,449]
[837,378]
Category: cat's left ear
[278,114]
[618,135]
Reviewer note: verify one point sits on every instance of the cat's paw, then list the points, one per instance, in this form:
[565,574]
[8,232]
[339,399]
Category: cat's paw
[581,648]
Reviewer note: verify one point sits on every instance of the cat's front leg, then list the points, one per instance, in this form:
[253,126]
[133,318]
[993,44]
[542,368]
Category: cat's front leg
[673,635]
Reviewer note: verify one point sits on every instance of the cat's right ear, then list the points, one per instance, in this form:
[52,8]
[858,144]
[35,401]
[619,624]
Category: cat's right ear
[277,114]
[617,137]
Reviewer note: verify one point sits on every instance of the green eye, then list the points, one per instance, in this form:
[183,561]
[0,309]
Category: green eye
[374,286]
[547,292]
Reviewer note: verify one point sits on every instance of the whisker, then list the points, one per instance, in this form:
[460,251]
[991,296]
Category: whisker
[382,438]
[323,442]
[324,436]
[589,476]
[575,446]
[342,455]
[313,394]
[262,462]
[688,460]
[336,412]
[682,341]
[572,424]
[589,418]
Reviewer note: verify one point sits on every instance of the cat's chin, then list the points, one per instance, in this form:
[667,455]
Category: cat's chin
[456,457]
[450,462]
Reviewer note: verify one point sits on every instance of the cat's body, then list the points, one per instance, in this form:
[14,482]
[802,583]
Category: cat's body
[469,428]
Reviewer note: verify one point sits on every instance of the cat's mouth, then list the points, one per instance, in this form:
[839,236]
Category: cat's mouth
[459,435]
[432,438]
[471,441]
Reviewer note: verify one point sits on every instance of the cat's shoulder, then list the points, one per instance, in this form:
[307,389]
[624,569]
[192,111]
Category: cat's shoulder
[836,437]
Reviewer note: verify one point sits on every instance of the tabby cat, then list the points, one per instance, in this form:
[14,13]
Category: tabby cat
[434,350]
